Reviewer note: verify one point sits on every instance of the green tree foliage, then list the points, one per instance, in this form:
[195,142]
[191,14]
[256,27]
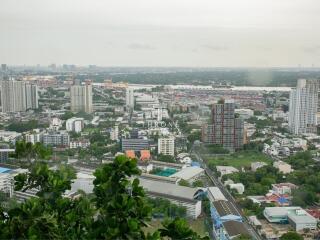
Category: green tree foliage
[291,236]
[216,149]
[24,126]
[28,150]
[196,135]
[118,210]
[198,183]
[243,237]
[301,159]
[178,229]
[49,216]
[164,208]
[184,183]
[253,146]
[123,210]
[67,115]
[256,183]
[251,208]
[166,158]
[304,197]
[261,123]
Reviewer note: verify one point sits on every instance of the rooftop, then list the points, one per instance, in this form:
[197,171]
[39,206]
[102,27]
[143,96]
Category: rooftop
[301,216]
[168,189]
[279,211]
[188,173]
[216,194]
[233,228]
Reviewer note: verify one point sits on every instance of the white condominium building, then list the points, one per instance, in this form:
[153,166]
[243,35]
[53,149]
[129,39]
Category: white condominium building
[114,133]
[18,96]
[75,124]
[81,98]
[303,107]
[166,146]
[130,98]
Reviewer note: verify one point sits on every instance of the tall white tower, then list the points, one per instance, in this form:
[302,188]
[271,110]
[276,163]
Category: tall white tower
[303,107]
[130,98]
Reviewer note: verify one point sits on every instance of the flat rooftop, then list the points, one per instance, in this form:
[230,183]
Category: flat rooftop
[188,173]
[169,190]
[233,228]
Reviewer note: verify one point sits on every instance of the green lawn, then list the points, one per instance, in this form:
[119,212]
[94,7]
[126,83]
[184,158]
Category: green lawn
[238,159]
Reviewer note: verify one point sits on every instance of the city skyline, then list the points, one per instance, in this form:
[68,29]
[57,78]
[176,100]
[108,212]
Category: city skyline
[161,33]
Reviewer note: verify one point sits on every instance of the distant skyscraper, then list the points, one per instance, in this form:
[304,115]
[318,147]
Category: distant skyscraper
[226,130]
[81,98]
[304,106]
[3,67]
[130,98]
[18,96]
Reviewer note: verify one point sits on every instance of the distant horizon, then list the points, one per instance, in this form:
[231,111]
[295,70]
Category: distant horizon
[162,67]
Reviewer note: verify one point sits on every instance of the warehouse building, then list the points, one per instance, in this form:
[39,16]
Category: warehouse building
[298,218]
[179,195]
[189,174]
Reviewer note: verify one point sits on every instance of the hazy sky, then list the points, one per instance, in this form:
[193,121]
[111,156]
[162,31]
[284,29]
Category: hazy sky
[199,33]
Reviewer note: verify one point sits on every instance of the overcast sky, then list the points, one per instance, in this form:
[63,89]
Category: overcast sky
[195,33]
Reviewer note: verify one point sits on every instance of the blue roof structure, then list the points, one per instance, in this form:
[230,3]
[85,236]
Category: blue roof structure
[282,200]
[195,164]
[4,170]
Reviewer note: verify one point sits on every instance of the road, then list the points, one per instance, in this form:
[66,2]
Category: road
[229,197]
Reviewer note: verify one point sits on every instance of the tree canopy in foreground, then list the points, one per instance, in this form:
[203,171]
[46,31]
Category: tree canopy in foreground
[118,210]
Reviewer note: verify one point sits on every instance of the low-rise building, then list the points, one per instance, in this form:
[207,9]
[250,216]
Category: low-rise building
[55,124]
[298,218]
[9,136]
[189,174]
[283,188]
[223,170]
[135,144]
[81,143]
[180,195]
[33,137]
[60,138]
[244,113]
